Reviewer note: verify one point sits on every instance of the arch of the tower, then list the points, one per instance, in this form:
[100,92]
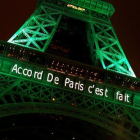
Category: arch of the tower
[19,97]
[65,110]
[54,28]
[41,126]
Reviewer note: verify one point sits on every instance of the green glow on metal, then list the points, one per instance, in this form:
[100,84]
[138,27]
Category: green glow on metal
[95,5]
[102,104]
[67,82]
[39,29]
[104,46]
[30,91]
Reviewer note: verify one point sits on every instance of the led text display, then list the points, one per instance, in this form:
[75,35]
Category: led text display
[72,83]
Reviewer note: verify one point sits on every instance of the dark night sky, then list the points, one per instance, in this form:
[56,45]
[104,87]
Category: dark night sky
[126,22]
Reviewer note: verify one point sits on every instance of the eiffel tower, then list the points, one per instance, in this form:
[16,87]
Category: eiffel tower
[66,60]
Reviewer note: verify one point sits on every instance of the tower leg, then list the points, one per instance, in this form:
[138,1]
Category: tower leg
[105,47]
[39,29]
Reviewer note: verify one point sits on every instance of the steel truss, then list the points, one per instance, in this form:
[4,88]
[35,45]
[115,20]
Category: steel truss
[19,96]
[39,29]
[104,46]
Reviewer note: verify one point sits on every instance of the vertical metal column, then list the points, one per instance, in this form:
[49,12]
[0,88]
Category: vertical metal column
[106,47]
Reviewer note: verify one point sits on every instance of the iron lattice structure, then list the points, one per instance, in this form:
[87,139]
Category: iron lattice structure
[26,95]
[39,29]
[20,96]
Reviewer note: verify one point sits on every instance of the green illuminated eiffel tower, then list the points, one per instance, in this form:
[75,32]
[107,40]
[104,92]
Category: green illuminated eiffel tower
[66,59]
[39,29]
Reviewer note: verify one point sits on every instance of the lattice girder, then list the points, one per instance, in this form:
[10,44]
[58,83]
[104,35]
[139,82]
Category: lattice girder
[38,30]
[94,5]
[19,96]
[106,49]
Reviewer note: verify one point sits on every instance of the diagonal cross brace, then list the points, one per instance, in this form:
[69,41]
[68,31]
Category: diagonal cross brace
[12,86]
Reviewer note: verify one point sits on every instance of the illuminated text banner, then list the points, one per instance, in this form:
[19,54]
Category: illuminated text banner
[73,83]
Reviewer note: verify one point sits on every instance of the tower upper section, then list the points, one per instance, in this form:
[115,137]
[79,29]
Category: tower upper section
[69,26]
[94,5]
